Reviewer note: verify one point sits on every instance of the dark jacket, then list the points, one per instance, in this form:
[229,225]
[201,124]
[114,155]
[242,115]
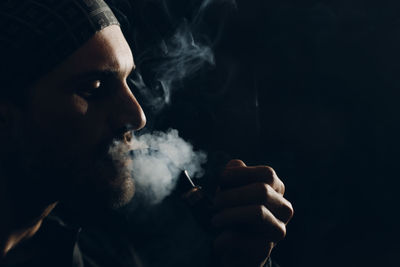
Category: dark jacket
[59,245]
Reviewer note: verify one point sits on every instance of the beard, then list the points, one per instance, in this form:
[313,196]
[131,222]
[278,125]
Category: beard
[87,184]
[107,182]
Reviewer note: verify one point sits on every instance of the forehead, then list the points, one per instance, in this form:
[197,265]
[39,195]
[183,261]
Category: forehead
[106,50]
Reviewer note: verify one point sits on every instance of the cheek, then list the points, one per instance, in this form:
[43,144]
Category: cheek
[57,109]
[79,105]
[67,122]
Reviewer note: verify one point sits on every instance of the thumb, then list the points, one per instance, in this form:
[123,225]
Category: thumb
[235,163]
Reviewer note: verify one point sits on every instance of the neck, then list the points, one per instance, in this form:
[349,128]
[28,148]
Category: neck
[19,224]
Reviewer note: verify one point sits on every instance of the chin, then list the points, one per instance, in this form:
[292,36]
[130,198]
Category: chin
[93,207]
[120,194]
[108,186]
[113,183]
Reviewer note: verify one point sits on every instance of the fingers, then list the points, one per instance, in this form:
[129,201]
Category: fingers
[235,175]
[255,194]
[253,218]
[242,249]
[251,212]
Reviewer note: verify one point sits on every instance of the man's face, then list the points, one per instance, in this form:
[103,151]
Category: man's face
[75,113]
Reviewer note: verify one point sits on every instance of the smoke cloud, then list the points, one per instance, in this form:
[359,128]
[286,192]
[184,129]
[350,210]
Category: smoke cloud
[160,157]
[157,161]
[178,57]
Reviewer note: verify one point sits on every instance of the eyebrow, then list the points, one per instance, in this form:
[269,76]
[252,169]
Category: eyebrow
[101,73]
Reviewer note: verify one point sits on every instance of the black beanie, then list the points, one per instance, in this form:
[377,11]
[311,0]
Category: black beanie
[37,35]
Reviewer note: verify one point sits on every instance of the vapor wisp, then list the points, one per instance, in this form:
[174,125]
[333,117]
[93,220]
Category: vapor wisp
[178,56]
[157,161]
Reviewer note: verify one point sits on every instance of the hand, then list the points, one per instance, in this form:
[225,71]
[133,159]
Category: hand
[252,214]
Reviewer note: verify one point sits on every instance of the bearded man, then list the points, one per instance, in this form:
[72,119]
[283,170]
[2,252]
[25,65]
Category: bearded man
[64,100]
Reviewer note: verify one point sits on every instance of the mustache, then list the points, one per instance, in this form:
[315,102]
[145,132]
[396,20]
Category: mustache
[122,137]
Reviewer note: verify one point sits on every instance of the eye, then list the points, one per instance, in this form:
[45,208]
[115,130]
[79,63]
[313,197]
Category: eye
[90,88]
[96,84]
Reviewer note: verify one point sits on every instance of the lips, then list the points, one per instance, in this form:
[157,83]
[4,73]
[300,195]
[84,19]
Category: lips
[105,147]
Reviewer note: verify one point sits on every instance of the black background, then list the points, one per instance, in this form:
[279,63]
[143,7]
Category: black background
[310,88]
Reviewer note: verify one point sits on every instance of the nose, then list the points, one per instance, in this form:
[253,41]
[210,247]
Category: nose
[127,112]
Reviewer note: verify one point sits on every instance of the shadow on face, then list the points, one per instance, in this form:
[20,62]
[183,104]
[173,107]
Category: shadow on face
[74,114]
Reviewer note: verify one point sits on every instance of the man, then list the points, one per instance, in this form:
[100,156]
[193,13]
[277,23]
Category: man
[64,101]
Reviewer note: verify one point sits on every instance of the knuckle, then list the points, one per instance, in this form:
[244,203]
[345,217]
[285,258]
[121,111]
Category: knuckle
[260,211]
[268,171]
[235,163]
[288,211]
[280,232]
[264,191]
[291,210]
[283,187]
